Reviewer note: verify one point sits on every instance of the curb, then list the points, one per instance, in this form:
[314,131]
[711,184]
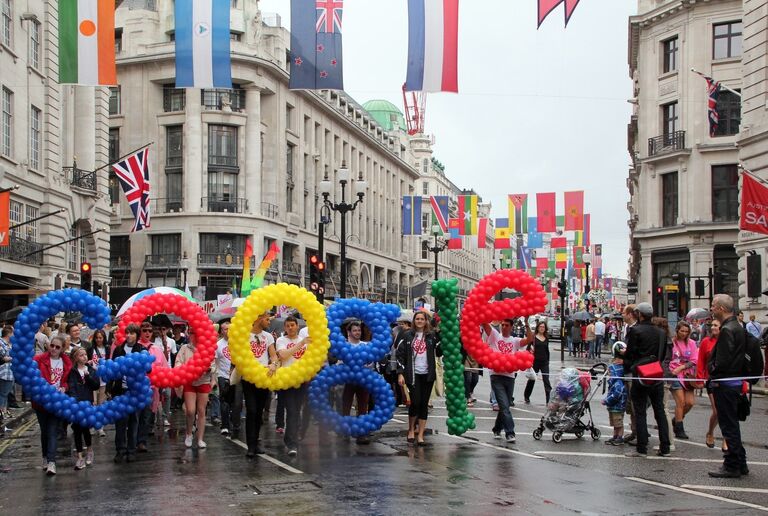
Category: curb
[21,417]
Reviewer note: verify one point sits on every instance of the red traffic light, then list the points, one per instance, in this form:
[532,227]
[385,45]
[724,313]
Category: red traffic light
[658,290]
[314,259]
[85,267]
[320,266]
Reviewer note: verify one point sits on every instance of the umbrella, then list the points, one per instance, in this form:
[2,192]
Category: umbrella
[698,315]
[582,316]
[148,292]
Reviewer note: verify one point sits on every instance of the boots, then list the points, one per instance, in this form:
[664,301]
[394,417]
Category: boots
[679,430]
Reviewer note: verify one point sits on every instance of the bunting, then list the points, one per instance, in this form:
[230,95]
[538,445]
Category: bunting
[468,214]
[502,234]
[518,213]
[482,232]
[535,239]
[454,235]
[411,215]
[574,211]
[439,205]
[546,212]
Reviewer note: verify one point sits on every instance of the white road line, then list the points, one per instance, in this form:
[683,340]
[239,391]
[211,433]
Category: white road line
[486,445]
[650,457]
[726,488]
[401,421]
[714,461]
[266,457]
[582,454]
[697,493]
[491,418]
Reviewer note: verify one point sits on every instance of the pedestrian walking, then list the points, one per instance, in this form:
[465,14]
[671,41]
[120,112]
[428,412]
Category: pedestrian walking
[600,332]
[705,350]
[576,338]
[540,349]
[82,384]
[353,332]
[615,400]
[220,405]
[195,394]
[471,377]
[290,347]
[685,355]
[263,349]
[54,367]
[754,327]
[647,344]
[569,336]
[590,340]
[726,361]
[6,374]
[417,352]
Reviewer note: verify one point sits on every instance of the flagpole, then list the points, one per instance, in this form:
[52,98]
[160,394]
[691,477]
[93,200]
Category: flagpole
[123,156]
[721,84]
[9,189]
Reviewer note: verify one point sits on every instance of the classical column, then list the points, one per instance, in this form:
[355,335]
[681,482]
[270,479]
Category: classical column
[253,150]
[194,162]
[85,127]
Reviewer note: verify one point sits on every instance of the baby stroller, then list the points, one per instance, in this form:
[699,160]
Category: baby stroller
[570,402]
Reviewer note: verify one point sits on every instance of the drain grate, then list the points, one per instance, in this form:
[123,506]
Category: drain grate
[284,487]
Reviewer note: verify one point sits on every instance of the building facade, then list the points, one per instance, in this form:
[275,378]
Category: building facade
[683,181]
[53,138]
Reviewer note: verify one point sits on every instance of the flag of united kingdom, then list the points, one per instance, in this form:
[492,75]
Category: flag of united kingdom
[133,173]
[329,15]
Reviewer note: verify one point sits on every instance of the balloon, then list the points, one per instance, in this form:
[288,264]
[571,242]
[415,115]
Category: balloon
[96,314]
[205,343]
[306,367]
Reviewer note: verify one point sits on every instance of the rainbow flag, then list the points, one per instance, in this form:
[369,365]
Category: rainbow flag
[245,287]
[261,272]
[468,214]
[518,213]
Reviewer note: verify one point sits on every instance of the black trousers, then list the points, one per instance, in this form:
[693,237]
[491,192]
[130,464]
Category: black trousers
[420,392]
[293,399]
[470,382]
[641,394]
[544,368]
[726,401]
[81,434]
[255,401]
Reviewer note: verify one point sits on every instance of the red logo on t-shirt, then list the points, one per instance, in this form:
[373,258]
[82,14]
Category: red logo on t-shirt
[299,353]
[419,346]
[56,374]
[225,352]
[505,347]
[258,348]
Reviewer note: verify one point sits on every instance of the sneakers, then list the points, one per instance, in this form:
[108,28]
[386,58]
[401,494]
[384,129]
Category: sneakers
[470,403]
[202,445]
[496,434]
[292,452]
[80,463]
[663,453]
[166,423]
[635,453]
[630,438]
[50,469]
[188,441]
[615,441]
[527,401]
[102,433]
[225,431]
[511,438]
[724,472]
[89,456]
[280,430]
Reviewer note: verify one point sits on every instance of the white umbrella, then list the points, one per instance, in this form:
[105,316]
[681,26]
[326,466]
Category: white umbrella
[148,292]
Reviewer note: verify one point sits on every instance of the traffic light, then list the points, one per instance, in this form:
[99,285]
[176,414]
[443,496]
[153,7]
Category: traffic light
[562,289]
[658,290]
[698,287]
[85,276]
[317,276]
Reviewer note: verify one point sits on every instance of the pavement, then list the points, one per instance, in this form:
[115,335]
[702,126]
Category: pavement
[471,474]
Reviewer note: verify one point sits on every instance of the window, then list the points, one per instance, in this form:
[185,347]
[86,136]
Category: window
[726,40]
[425,250]
[7,123]
[72,248]
[669,118]
[726,269]
[289,160]
[31,227]
[222,145]
[114,100]
[119,251]
[174,167]
[426,227]
[669,50]
[166,246]
[6,30]
[222,191]
[174,99]
[288,116]
[15,217]
[729,113]
[34,44]
[235,36]
[34,138]
[725,193]
[425,188]
[222,243]
[114,153]
[118,40]
[219,98]
[669,199]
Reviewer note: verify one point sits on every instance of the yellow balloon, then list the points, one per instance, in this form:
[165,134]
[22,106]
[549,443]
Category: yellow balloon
[306,367]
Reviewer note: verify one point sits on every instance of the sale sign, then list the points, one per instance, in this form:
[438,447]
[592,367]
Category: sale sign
[754,205]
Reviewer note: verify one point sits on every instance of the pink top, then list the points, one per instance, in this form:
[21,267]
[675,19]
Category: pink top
[684,353]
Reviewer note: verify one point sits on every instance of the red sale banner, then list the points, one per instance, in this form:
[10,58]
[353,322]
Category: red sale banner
[754,205]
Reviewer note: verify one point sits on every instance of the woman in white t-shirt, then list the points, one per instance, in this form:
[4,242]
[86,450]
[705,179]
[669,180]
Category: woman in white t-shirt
[416,367]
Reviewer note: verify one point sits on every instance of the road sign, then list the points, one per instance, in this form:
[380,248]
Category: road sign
[671,288]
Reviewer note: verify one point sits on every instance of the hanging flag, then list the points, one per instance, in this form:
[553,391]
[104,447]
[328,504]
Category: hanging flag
[468,214]
[316,49]
[258,277]
[547,6]
[87,42]
[754,205]
[502,234]
[578,238]
[587,230]
[454,234]
[578,257]
[523,257]
[558,243]
[433,45]
[440,211]
[482,232]
[542,263]
[535,239]
[713,92]
[411,215]
[545,212]
[507,260]
[202,44]
[561,258]
[518,213]
[245,286]
[133,174]
[234,287]
[552,270]
[574,211]
[5,218]
[608,284]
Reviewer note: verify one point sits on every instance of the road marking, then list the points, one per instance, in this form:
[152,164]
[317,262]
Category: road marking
[715,461]
[486,445]
[582,454]
[491,418]
[650,457]
[401,421]
[725,488]
[268,458]
[11,438]
[697,493]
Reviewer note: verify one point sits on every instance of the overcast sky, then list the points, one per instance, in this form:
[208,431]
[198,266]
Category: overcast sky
[537,111]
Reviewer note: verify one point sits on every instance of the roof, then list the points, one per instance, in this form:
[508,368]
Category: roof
[386,114]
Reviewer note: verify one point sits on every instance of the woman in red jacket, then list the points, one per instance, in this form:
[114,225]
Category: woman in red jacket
[54,368]
[705,349]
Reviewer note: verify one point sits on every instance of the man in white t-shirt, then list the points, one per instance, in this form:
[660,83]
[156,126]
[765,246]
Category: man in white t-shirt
[222,408]
[290,348]
[503,384]
[263,349]
[599,337]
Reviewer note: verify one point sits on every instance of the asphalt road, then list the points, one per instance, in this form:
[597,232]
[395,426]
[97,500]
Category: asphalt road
[473,474]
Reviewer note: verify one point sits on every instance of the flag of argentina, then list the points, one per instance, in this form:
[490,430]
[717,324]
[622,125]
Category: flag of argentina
[202,44]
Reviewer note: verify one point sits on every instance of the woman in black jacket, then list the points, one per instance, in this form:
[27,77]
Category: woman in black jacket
[81,385]
[540,349]
[416,352]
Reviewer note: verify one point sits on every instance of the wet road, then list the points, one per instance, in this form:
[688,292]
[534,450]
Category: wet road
[474,474]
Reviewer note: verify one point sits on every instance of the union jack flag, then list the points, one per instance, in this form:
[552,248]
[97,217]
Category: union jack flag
[329,15]
[713,91]
[133,173]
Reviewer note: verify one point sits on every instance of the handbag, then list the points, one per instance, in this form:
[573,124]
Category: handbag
[653,368]
[530,374]
[743,407]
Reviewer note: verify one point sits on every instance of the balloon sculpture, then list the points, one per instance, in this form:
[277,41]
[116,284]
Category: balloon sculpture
[477,311]
[96,314]
[377,318]
[258,302]
[205,336]
[459,418]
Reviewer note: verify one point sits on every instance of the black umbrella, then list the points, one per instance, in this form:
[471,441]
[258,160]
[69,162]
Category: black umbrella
[582,316]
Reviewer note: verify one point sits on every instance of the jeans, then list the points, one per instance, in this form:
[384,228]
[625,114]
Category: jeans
[126,431]
[6,386]
[235,407]
[544,368]
[420,391]
[145,425]
[164,410]
[255,400]
[504,389]
[640,396]
[352,391]
[597,352]
[569,340]
[293,400]
[470,382]
[223,398]
[215,401]
[49,427]
[726,402]
[280,411]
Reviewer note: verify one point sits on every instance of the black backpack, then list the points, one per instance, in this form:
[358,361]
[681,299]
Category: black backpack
[754,364]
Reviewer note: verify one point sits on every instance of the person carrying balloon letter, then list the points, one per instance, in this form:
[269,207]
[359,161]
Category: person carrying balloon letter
[291,347]
[195,393]
[615,400]
[354,330]
[82,383]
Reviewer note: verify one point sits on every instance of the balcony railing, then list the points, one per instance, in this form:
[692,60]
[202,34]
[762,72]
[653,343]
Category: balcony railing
[221,205]
[269,210]
[218,99]
[220,260]
[162,261]
[81,178]
[22,251]
[166,205]
[666,143]
[174,99]
[392,288]
[291,269]
[119,262]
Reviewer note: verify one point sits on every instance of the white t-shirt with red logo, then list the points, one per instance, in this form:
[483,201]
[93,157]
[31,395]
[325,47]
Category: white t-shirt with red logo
[505,345]
[286,343]
[223,358]
[57,371]
[259,345]
[419,348]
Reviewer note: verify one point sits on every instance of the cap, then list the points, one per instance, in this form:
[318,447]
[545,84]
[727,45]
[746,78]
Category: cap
[645,309]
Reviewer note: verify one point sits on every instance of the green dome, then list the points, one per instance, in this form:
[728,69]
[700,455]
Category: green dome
[386,114]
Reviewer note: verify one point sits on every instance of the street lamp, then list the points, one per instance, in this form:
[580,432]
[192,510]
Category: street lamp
[438,247]
[326,186]
[587,259]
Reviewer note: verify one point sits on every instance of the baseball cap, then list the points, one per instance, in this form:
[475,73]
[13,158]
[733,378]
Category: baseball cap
[645,309]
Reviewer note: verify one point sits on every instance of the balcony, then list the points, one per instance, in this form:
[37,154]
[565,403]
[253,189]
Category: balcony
[162,261]
[392,288]
[166,205]
[223,205]
[220,260]
[119,262]
[174,99]
[270,211]
[22,251]
[221,99]
[83,179]
[291,269]
[666,143]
